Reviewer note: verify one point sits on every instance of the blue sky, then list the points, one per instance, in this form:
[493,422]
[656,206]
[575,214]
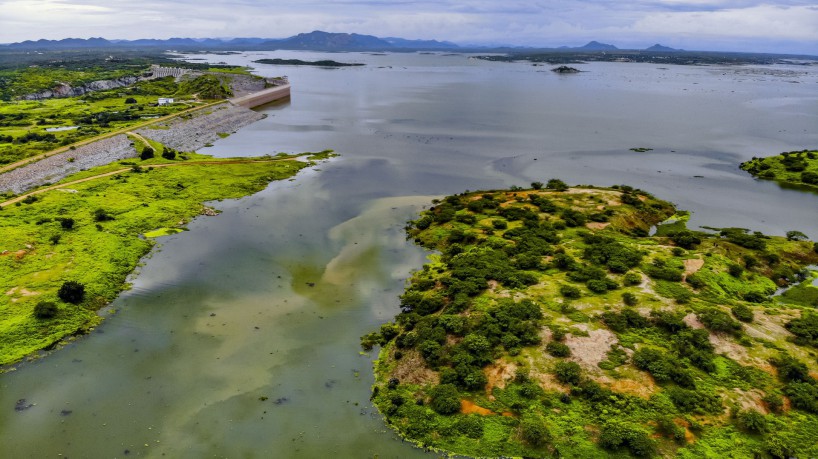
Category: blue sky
[789,26]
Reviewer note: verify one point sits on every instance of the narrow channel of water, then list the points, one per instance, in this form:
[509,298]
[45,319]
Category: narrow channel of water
[240,337]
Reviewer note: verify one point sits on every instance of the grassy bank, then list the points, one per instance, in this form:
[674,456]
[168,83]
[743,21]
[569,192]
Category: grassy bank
[91,233]
[549,323]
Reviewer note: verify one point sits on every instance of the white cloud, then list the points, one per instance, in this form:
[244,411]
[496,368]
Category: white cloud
[692,24]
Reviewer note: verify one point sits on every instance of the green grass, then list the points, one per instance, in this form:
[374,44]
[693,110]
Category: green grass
[100,254]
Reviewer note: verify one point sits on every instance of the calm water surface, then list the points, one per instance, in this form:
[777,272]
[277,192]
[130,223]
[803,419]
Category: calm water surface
[240,337]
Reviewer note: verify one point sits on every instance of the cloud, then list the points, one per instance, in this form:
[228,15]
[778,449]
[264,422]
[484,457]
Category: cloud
[692,24]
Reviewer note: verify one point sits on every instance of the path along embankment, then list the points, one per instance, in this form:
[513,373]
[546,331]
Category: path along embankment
[187,132]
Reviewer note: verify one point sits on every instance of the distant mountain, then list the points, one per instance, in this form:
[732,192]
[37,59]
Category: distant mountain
[326,41]
[419,44]
[597,46]
[66,43]
[317,40]
[660,48]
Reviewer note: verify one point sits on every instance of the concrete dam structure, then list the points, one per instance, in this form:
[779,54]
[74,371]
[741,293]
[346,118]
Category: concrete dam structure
[262,97]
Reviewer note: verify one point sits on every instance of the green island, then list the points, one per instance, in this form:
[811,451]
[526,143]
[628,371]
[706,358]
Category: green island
[68,248]
[590,322]
[792,167]
[322,63]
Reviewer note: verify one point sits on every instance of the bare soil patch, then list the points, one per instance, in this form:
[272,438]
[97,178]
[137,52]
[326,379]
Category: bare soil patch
[411,369]
[588,351]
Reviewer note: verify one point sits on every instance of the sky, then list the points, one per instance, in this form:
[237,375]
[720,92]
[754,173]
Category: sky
[784,26]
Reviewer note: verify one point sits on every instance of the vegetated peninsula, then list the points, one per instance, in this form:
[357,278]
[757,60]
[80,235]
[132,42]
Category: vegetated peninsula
[68,248]
[794,167]
[550,322]
[321,63]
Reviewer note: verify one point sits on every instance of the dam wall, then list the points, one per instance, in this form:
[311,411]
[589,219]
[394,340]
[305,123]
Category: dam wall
[262,97]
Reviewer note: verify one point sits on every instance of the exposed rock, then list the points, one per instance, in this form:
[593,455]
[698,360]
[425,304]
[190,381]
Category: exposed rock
[565,69]
[66,90]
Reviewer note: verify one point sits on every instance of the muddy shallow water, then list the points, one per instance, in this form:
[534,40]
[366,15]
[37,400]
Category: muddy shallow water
[240,336]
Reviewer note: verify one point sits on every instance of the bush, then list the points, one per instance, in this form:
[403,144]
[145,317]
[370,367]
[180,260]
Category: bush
[691,401]
[742,312]
[615,435]
[536,185]
[804,328]
[568,372]
[803,396]
[100,215]
[719,321]
[130,100]
[67,223]
[72,292]
[169,153]
[751,421]
[569,291]
[146,153]
[445,399]
[556,185]
[631,279]
[45,310]
[735,270]
[470,426]
[558,349]
[533,431]
[629,299]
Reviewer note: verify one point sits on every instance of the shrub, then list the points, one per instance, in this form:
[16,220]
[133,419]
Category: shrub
[169,153]
[569,291]
[742,312]
[130,100]
[805,328]
[445,399]
[796,236]
[45,310]
[568,372]
[71,292]
[774,402]
[147,153]
[533,431]
[616,434]
[100,215]
[735,270]
[470,426]
[692,401]
[536,185]
[629,299]
[558,349]
[556,185]
[803,396]
[67,223]
[751,421]
[631,279]
[719,321]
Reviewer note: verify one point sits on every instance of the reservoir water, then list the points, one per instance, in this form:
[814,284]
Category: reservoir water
[240,337]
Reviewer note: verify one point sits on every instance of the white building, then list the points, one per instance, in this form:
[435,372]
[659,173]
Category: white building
[165,100]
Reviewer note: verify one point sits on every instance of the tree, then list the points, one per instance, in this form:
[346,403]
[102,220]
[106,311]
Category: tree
[72,292]
[130,100]
[536,185]
[556,185]
[170,153]
[100,215]
[67,223]
[147,153]
[534,431]
[796,236]
[568,372]
[45,310]
[445,399]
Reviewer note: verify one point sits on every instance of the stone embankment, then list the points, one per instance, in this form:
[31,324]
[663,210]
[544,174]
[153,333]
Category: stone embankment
[57,167]
[192,133]
[189,132]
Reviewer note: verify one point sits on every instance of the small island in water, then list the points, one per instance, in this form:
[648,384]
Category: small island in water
[322,63]
[793,167]
[590,322]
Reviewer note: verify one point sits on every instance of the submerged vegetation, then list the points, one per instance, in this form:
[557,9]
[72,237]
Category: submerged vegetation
[66,252]
[793,167]
[549,322]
